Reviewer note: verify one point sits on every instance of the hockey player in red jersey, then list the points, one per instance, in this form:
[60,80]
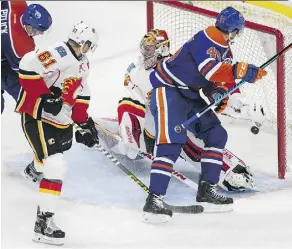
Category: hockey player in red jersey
[48,111]
[19,24]
[136,123]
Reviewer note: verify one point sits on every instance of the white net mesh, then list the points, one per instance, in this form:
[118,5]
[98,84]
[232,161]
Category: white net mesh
[253,46]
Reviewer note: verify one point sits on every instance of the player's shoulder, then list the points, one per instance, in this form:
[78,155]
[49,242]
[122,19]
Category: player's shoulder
[29,63]
[58,55]
[212,36]
[61,53]
[55,57]
[135,66]
[131,67]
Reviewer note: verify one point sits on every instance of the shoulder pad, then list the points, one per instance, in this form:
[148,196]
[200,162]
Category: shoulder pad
[29,62]
[130,67]
[55,57]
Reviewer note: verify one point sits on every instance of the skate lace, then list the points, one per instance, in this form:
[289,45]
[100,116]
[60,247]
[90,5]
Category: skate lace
[51,226]
[158,200]
[213,191]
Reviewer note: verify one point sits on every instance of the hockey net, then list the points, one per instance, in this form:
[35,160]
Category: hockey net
[265,34]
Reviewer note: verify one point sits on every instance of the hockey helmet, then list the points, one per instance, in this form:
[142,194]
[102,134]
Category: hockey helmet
[230,20]
[36,16]
[84,34]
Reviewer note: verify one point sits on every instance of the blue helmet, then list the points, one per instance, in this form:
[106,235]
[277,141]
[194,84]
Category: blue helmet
[36,16]
[230,20]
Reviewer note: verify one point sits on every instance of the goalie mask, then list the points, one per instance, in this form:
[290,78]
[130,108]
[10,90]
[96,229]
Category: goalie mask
[154,46]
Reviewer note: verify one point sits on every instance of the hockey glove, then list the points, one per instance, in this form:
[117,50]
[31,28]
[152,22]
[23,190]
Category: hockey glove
[216,93]
[240,179]
[248,72]
[51,103]
[88,134]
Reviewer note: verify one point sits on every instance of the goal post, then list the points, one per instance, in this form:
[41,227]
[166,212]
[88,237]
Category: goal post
[266,33]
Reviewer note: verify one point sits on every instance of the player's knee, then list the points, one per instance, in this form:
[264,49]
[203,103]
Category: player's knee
[170,151]
[217,137]
[55,167]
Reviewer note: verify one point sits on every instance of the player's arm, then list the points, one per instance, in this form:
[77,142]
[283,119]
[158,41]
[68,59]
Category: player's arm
[79,110]
[18,43]
[86,133]
[212,68]
[31,71]
[131,114]
[132,101]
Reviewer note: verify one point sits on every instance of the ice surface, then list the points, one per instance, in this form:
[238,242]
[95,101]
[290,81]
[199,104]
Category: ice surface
[100,206]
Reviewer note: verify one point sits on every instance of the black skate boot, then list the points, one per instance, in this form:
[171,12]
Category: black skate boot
[208,197]
[31,173]
[154,210]
[46,231]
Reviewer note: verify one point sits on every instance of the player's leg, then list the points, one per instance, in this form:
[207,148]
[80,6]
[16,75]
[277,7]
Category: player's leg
[168,110]
[13,86]
[4,73]
[234,175]
[45,142]
[2,101]
[209,129]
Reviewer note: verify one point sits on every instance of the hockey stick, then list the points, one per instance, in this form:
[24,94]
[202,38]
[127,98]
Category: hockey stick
[191,209]
[115,139]
[231,90]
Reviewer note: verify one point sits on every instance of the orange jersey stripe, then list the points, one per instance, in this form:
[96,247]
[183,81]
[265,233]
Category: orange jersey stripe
[164,76]
[160,165]
[162,138]
[207,154]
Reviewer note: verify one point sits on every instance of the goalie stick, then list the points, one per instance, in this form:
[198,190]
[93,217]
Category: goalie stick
[115,138]
[190,209]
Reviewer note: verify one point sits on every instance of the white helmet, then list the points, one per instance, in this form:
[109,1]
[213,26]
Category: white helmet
[82,33]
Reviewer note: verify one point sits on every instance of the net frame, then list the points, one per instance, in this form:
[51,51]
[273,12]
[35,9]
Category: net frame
[280,66]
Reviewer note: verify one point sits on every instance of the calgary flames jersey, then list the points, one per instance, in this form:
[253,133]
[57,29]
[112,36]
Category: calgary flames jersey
[56,71]
[137,95]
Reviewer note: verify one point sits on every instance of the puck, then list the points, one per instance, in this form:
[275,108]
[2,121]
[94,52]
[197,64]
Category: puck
[255,130]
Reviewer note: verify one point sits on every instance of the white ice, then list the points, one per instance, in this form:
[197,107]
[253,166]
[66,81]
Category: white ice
[100,206]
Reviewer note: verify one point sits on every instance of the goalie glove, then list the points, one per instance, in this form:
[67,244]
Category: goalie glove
[87,134]
[235,175]
[240,178]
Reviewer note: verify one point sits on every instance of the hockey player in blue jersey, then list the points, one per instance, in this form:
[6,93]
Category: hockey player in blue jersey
[19,23]
[203,62]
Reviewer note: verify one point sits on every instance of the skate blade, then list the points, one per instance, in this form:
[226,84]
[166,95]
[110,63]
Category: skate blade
[39,238]
[155,218]
[216,208]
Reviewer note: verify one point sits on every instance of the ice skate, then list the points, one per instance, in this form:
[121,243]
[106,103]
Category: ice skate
[46,231]
[154,210]
[30,173]
[208,197]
